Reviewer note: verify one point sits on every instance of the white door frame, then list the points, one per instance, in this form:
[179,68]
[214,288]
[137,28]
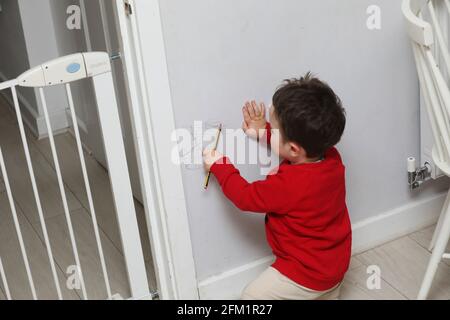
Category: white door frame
[153,124]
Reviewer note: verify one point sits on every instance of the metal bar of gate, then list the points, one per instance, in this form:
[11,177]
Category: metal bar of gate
[120,185]
[35,191]
[4,281]
[88,189]
[63,192]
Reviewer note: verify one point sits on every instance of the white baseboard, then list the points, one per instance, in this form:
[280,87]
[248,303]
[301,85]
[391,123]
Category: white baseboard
[58,121]
[81,125]
[396,223]
[230,284]
[367,234]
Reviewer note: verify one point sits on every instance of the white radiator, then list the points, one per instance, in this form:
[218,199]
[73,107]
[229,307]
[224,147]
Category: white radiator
[426,137]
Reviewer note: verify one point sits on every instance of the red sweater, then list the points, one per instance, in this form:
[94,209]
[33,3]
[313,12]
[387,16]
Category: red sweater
[307,222]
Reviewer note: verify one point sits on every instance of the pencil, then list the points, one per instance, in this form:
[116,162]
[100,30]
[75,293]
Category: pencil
[208,176]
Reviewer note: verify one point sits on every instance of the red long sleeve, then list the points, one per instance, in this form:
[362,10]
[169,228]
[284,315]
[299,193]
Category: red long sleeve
[270,195]
[307,222]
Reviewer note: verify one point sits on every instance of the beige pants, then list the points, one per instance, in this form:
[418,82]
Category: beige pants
[272,285]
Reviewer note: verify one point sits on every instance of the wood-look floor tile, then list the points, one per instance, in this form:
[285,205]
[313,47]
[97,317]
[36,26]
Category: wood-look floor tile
[98,179]
[100,187]
[46,182]
[2,185]
[403,263]
[355,263]
[14,264]
[89,255]
[355,287]
[423,238]
[7,114]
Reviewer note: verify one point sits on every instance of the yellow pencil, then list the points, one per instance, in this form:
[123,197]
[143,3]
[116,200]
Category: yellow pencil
[208,176]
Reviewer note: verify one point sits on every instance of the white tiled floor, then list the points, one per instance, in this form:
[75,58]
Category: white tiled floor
[55,219]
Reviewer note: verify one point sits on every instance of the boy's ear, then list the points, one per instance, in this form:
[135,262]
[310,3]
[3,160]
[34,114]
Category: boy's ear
[296,150]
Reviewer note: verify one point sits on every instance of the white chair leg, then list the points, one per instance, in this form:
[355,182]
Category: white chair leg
[436,257]
[439,223]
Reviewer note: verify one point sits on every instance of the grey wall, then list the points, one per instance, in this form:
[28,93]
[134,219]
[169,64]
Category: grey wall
[39,31]
[27,37]
[69,42]
[13,53]
[221,53]
[13,56]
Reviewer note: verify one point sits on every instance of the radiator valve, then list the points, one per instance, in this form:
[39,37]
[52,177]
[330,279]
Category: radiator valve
[417,176]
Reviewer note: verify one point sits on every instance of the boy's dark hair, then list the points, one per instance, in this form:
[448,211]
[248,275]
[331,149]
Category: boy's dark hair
[310,114]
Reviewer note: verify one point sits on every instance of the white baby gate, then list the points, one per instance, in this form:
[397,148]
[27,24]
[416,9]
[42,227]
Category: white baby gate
[63,71]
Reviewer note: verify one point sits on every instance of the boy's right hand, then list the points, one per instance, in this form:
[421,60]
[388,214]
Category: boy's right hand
[254,119]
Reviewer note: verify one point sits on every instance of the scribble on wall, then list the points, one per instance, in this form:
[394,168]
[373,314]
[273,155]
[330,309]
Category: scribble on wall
[200,138]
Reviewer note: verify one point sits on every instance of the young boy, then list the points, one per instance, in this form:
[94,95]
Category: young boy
[307,222]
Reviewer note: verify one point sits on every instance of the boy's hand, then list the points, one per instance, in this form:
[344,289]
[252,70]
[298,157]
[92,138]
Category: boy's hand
[254,119]
[209,157]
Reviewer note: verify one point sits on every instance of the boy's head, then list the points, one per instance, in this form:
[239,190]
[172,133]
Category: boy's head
[309,117]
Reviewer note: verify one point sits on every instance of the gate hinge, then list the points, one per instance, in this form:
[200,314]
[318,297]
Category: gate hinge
[115,56]
[128,8]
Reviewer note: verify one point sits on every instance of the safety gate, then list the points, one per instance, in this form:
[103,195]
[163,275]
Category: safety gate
[63,71]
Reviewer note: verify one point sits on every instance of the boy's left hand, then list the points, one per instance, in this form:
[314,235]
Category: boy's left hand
[209,157]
